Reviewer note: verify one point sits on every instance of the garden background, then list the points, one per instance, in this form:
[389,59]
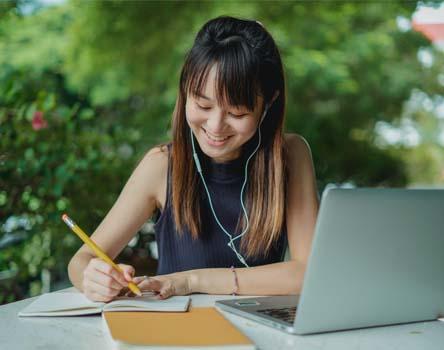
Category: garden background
[86,88]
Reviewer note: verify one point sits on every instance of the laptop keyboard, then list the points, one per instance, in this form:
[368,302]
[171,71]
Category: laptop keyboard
[286,314]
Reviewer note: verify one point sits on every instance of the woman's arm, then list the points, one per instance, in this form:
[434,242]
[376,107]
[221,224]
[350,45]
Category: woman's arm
[273,279]
[136,203]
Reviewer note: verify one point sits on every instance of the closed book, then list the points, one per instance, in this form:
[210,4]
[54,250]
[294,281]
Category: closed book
[199,328]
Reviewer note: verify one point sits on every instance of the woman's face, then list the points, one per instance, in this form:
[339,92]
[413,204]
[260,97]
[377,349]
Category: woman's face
[220,130]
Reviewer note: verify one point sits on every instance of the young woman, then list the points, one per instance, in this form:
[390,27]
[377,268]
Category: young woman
[232,191]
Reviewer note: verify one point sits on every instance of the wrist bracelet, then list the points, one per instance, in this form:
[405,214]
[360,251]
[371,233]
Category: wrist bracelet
[236,282]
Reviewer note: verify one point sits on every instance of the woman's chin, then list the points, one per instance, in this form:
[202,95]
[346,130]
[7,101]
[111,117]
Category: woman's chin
[219,154]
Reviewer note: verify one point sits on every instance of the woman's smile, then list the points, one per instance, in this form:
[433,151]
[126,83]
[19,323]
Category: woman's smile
[216,141]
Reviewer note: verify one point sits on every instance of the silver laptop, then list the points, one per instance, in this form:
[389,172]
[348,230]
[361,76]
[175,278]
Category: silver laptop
[377,259]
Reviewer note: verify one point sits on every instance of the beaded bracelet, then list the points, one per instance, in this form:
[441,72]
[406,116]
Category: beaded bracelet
[236,282]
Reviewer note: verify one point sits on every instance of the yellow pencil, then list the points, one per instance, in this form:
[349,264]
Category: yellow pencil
[99,252]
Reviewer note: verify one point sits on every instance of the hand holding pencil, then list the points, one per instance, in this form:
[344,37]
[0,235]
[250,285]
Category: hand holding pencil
[111,280]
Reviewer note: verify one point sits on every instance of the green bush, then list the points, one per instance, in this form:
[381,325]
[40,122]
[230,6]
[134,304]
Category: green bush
[57,155]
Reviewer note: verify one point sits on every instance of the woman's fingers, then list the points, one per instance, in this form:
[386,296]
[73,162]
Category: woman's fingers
[98,292]
[102,282]
[137,280]
[150,284]
[107,269]
[107,281]
[128,272]
[165,286]
[96,297]
[167,290]
[93,274]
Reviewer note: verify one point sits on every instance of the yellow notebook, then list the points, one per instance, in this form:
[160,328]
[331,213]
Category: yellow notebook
[200,327]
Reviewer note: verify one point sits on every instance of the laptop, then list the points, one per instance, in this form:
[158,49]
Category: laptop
[377,259]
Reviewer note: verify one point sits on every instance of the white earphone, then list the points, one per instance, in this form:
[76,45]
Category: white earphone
[199,169]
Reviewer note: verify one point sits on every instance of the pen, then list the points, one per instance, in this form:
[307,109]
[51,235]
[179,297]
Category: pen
[99,252]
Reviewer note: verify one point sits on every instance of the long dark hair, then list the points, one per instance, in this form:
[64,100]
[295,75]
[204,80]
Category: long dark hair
[248,65]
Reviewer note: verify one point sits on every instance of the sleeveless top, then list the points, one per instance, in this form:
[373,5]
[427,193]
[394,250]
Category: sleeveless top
[182,252]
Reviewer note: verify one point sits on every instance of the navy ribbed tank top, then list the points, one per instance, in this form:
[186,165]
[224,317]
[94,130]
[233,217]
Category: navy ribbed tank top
[210,250]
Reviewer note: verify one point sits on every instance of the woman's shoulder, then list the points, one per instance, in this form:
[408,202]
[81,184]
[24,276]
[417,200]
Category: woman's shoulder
[298,154]
[156,159]
[158,153]
[155,165]
[296,144]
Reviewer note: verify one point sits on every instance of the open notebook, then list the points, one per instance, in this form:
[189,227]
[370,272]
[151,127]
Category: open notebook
[74,303]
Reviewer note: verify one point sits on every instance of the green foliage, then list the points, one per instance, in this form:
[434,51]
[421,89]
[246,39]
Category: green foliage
[57,154]
[149,35]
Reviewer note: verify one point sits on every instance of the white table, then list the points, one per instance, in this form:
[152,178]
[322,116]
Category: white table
[86,332]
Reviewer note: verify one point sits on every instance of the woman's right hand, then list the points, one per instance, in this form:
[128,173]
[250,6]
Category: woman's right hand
[102,282]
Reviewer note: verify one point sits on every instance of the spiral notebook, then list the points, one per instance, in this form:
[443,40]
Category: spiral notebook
[75,303]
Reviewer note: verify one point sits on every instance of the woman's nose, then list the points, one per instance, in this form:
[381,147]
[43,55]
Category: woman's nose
[216,122]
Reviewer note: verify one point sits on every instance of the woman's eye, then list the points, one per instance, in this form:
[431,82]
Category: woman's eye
[239,115]
[233,114]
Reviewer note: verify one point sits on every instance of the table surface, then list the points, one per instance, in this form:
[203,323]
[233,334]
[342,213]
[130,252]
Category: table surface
[86,332]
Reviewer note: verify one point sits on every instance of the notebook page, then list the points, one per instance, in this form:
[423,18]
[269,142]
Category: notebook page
[61,304]
[148,302]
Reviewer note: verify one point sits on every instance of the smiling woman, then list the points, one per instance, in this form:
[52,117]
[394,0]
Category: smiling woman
[233,68]
[227,144]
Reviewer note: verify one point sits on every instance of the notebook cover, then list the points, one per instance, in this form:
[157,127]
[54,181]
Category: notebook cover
[198,327]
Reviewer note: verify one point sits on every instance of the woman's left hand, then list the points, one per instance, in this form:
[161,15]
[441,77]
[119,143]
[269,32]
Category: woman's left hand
[165,286]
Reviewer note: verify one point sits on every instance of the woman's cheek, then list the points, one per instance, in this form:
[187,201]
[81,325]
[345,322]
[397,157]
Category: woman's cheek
[247,128]
[194,116]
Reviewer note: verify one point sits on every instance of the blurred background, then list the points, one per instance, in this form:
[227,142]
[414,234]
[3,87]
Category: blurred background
[87,87]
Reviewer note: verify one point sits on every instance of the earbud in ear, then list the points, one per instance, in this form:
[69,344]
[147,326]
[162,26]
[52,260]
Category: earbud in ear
[264,113]
[275,96]
[267,105]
